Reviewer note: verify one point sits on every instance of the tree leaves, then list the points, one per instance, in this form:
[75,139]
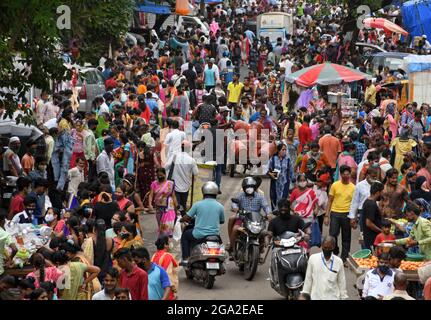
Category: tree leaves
[30,41]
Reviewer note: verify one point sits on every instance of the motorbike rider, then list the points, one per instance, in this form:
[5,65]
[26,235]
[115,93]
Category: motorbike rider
[208,215]
[249,200]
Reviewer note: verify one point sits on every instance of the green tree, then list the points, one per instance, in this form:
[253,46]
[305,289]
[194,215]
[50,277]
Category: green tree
[29,53]
[97,24]
[31,45]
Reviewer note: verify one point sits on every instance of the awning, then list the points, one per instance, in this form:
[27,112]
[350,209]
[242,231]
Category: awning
[153,8]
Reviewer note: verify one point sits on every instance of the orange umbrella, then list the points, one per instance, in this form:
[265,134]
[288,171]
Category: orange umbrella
[381,23]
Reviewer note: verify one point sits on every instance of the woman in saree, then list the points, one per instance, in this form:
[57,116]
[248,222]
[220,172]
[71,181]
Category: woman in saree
[129,237]
[96,247]
[147,162]
[166,260]
[162,195]
[79,280]
[303,199]
[281,173]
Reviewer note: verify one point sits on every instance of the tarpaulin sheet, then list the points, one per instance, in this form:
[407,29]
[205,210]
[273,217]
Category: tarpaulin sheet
[417,63]
[417,17]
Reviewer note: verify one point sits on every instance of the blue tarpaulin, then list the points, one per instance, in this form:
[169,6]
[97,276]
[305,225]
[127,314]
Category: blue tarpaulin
[151,7]
[417,17]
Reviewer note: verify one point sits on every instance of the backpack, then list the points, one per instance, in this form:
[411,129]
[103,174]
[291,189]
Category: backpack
[237,50]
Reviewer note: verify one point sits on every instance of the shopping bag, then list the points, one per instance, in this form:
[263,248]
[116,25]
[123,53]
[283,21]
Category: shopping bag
[177,231]
[316,235]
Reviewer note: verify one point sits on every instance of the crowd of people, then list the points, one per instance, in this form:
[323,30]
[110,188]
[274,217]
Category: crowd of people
[130,155]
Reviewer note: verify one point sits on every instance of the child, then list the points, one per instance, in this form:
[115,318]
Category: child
[122,294]
[385,234]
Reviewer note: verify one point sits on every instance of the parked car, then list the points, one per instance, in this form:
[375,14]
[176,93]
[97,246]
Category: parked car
[393,60]
[367,50]
[90,85]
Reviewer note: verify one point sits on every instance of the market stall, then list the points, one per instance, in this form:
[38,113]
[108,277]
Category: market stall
[334,77]
[362,261]
[28,239]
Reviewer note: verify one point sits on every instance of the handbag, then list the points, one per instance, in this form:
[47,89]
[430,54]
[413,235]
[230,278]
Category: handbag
[316,236]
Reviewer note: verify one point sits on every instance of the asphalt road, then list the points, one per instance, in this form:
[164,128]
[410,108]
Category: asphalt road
[232,285]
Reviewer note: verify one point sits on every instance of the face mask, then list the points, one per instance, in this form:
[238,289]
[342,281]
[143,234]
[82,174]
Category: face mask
[314,154]
[249,190]
[29,211]
[383,269]
[327,253]
[152,122]
[160,178]
[124,235]
[375,165]
[302,184]
[15,148]
[49,218]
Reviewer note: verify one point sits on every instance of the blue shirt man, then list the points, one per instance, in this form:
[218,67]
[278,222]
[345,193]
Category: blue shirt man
[208,214]
[158,281]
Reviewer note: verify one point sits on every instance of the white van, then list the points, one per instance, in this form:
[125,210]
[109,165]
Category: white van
[192,22]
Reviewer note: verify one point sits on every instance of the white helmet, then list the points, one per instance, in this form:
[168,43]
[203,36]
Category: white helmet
[210,188]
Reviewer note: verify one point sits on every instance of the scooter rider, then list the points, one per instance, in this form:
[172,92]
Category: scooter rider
[284,222]
[208,215]
[249,200]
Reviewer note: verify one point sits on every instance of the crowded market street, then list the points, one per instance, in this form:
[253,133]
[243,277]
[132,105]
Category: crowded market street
[215,150]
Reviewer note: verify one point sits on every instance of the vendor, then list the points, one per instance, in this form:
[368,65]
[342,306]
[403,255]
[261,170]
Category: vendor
[5,240]
[420,233]
[26,216]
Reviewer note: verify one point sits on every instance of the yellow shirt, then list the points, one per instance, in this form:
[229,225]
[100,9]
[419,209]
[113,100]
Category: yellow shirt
[234,91]
[370,94]
[64,125]
[343,194]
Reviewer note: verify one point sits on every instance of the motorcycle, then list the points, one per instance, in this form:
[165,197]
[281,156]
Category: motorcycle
[206,260]
[246,252]
[288,264]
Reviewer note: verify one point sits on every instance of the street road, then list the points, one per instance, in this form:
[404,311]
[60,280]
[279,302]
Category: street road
[232,284]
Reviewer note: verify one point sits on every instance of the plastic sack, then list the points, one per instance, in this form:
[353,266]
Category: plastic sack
[182,7]
[177,231]
[316,235]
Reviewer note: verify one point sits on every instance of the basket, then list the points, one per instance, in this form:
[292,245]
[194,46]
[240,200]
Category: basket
[362,254]
[415,257]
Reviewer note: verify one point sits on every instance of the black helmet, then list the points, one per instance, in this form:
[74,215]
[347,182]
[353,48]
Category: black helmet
[249,182]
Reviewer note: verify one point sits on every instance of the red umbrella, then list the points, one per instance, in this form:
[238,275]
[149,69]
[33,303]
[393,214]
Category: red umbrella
[326,74]
[381,23]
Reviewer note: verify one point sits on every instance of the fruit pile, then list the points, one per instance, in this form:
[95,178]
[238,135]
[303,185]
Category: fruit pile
[371,262]
[411,265]
[368,263]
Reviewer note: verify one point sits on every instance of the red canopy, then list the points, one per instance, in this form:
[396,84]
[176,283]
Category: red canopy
[381,23]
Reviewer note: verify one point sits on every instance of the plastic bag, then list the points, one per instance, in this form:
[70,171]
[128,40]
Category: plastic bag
[177,231]
[316,235]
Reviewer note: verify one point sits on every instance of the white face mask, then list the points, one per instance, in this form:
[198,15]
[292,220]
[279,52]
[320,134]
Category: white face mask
[249,190]
[49,218]
[302,184]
